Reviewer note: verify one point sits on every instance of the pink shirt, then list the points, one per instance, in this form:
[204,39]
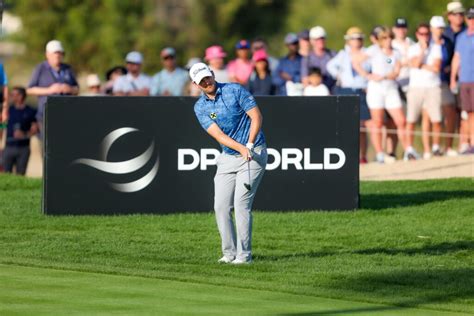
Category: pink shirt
[240,69]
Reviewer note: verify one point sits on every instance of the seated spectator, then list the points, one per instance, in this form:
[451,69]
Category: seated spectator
[93,86]
[215,57]
[134,83]
[171,80]
[260,43]
[52,77]
[111,75]
[241,68]
[261,80]
[318,57]
[315,86]
[289,67]
[21,126]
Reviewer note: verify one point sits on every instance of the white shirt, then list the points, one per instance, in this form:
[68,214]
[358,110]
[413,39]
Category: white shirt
[320,90]
[422,78]
[382,65]
[402,48]
[127,83]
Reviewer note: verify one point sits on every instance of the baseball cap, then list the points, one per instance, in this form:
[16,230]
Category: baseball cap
[401,22]
[260,54]
[134,58]
[354,33]
[291,38]
[470,13]
[199,71]
[54,46]
[215,51]
[242,44]
[168,51]
[376,30]
[455,7]
[92,80]
[317,32]
[304,34]
[437,22]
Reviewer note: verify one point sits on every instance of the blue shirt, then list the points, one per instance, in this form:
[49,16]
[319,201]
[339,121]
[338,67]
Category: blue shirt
[228,111]
[172,83]
[291,67]
[341,67]
[3,76]
[19,119]
[449,33]
[44,76]
[447,52]
[465,49]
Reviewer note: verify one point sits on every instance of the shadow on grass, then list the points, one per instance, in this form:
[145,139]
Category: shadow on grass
[384,201]
[432,250]
[406,289]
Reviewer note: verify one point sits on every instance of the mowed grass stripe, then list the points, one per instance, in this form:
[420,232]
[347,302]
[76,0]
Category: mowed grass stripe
[41,291]
[411,244]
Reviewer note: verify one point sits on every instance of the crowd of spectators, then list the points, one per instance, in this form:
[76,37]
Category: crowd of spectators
[399,81]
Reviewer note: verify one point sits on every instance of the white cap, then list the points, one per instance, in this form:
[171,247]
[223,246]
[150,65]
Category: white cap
[134,58]
[437,21]
[455,7]
[54,46]
[317,32]
[92,80]
[199,71]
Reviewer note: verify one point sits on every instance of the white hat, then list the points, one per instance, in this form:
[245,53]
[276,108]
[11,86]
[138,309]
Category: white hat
[54,46]
[455,7]
[199,71]
[317,32]
[437,21]
[134,58]
[92,80]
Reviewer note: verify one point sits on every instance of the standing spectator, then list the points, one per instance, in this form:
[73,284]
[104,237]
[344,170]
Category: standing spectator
[3,96]
[241,68]
[455,19]
[303,43]
[289,67]
[448,101]
[134,83]
[260,43]
[315,85]
[111,75]
[350,81]
[93,86]
[21,126]
[261,79]
[402,43]
[424,90]
[171,80]
[52,77]
[382,92]
[318,57]
[463,64]
[215,57]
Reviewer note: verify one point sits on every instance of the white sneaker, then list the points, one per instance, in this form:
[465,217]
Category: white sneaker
[241,261]
[225,260]
[426,156]
[380,157]
[410,154]
[451,153]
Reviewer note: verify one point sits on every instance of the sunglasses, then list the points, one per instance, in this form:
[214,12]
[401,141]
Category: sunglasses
[168,57]
[423,34]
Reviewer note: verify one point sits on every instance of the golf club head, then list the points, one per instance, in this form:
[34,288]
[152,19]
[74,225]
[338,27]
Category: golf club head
[247,186]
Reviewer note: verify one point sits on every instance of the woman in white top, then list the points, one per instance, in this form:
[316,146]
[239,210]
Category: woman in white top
[382,90]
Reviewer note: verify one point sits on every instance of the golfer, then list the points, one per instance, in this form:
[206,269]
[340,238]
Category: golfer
[229,113]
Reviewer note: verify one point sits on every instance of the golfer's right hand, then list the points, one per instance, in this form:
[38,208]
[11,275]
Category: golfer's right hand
[245,153]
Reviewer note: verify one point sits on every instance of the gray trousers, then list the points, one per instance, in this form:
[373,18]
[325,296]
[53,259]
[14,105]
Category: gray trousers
[230,192]
[16,156]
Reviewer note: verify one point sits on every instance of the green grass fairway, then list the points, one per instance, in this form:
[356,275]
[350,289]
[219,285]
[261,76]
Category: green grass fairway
[408,251]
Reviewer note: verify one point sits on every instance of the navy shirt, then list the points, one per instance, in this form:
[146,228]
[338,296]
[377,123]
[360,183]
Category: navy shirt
[263,86]
[44,76]
[449,33]
[228,111]
[21,119]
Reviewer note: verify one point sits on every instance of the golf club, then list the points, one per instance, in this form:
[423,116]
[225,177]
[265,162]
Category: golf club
[247,185]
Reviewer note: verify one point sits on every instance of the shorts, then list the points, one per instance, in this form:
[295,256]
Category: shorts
[382,97]
[364,110]
[467,97]
[447,97]
[424,98]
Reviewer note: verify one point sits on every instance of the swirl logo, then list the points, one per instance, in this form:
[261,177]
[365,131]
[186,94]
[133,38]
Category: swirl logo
[123,167]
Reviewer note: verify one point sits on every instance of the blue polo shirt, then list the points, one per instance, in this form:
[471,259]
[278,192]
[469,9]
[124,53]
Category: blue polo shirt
[465,48]
[3,76]
[290,66]
[228,111]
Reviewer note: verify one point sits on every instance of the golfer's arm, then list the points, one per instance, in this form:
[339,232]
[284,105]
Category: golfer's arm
[223,139]
[255,124]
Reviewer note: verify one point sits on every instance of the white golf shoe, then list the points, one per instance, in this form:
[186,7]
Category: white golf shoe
[225,260]
[242,261]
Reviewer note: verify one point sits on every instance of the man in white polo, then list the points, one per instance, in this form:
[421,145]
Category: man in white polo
[134,83]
